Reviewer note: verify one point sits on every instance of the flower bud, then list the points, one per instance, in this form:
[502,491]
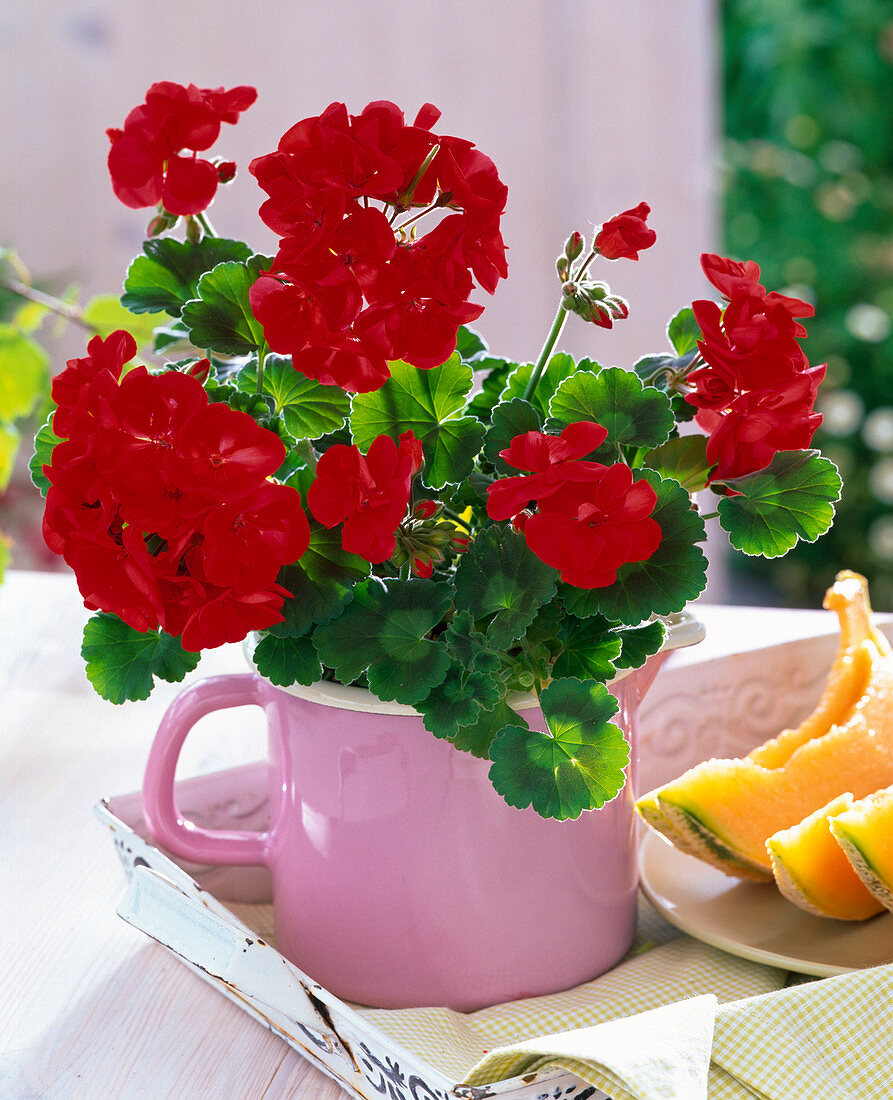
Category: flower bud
[598,314]
[200,369]
[425,509]
[193,230]
[422,567]
[161,223]
[226,171]
[460,544]
[573,246]
[562,265]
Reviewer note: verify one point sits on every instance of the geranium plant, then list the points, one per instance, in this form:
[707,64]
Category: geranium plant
[323,454]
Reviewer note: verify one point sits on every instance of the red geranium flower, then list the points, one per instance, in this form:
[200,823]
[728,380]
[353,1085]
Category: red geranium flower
[589,529]
[246,542]
[744,436]
[625,235]
[162,505]
[82,390]
[730,277]
[367,493]
[404,296]
[755,395]
[554,460]
[230,615]
[145,162]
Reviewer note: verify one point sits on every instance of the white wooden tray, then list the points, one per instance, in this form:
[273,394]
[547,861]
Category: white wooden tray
[209,918]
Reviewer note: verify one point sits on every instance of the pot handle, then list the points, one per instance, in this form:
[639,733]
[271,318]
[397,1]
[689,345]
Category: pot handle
[165,823]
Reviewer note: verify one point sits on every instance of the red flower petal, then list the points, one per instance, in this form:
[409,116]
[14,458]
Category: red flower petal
[189,185]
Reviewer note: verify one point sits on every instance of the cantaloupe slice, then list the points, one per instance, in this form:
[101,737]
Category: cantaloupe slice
[849,674]
[811,870]
[865,833]
[724,810]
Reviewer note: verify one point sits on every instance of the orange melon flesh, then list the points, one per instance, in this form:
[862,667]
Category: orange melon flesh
[724,810]
[849,675]
[811,870]
[865,835]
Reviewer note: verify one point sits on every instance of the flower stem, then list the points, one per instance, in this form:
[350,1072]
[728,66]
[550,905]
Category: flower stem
[261,356]
[31,294]
[306,452]
[554,333]
[456,518]
[202,220]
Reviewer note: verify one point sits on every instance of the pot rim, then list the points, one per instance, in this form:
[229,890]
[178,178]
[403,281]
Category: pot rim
[684,628]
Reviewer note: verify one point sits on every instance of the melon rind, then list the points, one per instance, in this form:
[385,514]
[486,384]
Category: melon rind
[811,871]
[698,839]
[855,830]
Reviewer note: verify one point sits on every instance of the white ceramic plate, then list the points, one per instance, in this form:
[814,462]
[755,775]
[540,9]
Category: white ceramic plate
[753,920]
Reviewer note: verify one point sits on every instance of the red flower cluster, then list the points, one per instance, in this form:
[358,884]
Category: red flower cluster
[367,493]
[590,518]
[756,394]
[625,235]
[145,162]
[161,504]
[352,287]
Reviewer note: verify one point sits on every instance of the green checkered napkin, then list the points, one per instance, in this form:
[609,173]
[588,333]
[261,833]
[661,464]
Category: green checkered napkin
[678,1020]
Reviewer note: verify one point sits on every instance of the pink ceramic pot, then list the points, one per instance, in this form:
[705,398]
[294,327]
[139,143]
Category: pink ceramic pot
[400,877]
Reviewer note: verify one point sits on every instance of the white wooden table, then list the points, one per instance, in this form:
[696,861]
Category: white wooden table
[88,1007]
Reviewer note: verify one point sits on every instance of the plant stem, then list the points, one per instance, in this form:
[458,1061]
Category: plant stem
[456,518]
[31,294]
[202,220]
[306,452]
[261,356]
[554,333]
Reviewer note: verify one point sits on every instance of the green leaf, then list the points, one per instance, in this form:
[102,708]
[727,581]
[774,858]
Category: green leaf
[287,661]
[470,344]
[500,577]
[383,632]
[793,498]
[9,446]
[633,414]
[24,374]
[105,314]
[477,737]
[221,318]
[591,649]
[653,369]
[639,643]
[167,275]
[169,336]
[579,765]
[427,402]
[308,408]
[683,332]
[684,459]
[451,704]
[44,442]
[469,647]
[559,368]
[673,575]
[122,663]
[321,582]
[509,418]
[490,375]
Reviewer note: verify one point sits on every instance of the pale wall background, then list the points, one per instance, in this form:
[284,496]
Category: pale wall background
[586,106]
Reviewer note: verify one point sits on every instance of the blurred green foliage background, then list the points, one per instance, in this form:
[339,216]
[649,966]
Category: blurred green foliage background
[808,194]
